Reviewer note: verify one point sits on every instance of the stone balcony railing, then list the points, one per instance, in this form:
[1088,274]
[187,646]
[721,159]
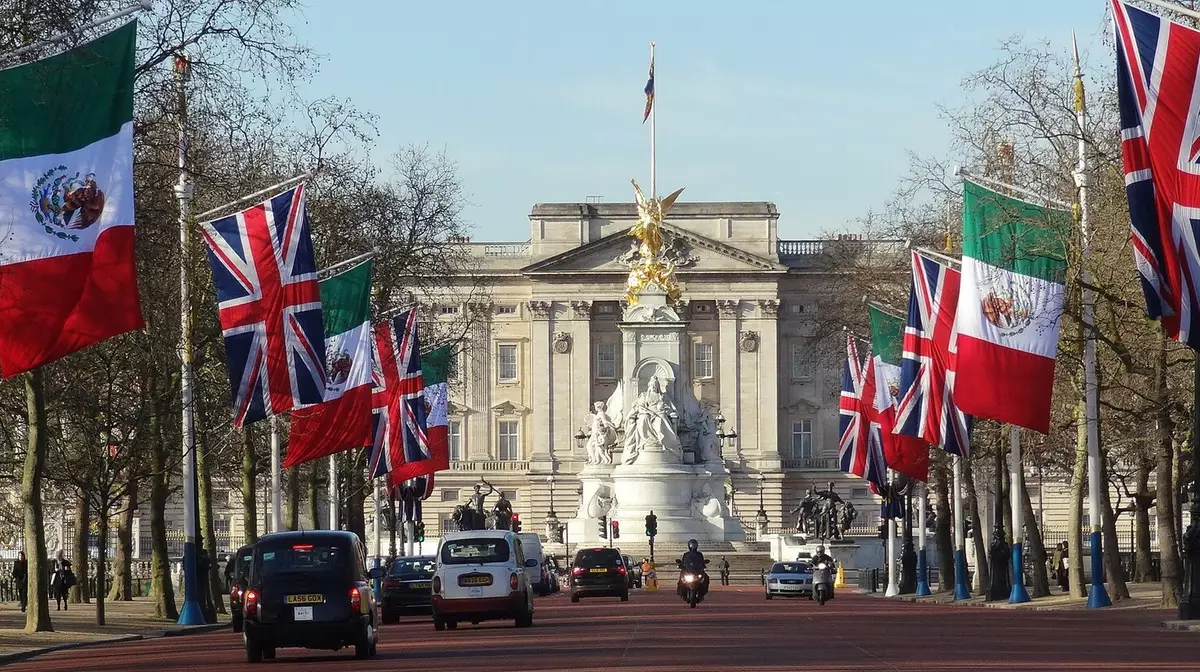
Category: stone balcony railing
[508,466]
[811,464]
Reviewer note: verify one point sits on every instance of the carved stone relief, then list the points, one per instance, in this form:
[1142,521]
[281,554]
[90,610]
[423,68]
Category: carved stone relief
[562,342]
[769,307]
[749,341]
[540,309]
[727,307]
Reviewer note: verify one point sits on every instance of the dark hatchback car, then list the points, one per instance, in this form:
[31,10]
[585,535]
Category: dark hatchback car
[309,590]
[407,587]
[599,572]
[239,575]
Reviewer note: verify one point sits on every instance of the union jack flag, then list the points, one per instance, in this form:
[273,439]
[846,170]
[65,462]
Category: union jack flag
[857,453]
[270,306]
[407,442]
[1157,64]
[927,409]
[379,460]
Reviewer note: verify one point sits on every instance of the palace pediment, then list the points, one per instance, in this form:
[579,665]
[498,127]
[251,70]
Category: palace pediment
[691,253]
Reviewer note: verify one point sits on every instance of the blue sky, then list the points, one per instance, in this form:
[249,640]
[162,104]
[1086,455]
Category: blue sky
[813,106]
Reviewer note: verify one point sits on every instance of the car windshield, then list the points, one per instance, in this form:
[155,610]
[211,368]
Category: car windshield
[241,564]
[299,558]
[791,568]
[474,551]
[598,557]
[418,568]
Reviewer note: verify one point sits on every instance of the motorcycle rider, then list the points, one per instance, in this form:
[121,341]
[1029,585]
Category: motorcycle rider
[693,561]
[822,556]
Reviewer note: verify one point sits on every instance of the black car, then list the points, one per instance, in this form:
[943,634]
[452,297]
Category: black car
[599,572]
[309,590]
[239,575]
[407,587]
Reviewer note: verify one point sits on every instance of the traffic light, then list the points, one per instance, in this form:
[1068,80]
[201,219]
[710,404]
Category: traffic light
[420,530]
[651,525]
[603,527]
[616,530]
[516,522]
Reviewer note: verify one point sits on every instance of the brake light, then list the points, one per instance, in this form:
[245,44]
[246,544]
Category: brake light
[512,581]
[302,547]
[577,571]
[437,584]
[355,599]
[235,592]
[620,570]
[250,608]
[391,584]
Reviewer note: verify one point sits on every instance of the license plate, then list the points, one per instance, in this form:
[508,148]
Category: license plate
[421,585]
[475,580]
[306,599]
[475,592]
[302,614]
[599,570]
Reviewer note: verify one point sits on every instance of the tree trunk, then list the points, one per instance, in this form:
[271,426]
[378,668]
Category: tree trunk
[101,557]
[1164,486]
[213,595]
[1117,590]
[943,535]
[1075,524]
[161,586]
[314,503]
[355,497]
[122,587]
[249,488]
[1142,566]
[79,554]
[37,615]
[292,509]
[981,562]
[1034,544]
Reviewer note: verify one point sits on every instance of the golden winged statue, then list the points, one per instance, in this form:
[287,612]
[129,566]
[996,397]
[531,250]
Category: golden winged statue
[649,267]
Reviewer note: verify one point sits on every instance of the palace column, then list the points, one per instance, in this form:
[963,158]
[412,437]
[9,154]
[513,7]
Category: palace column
[728,370]
[480,378]
[540,387]
[579,383]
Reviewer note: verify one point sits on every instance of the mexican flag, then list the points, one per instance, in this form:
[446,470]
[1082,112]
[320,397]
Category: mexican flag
[1009,307]
[67,273]
[905,454]
[436,370]
[343,420]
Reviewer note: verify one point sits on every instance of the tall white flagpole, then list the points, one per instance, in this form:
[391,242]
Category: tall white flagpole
[1098,595]
[276,478]
[334,497]
[962,588]
[893,587]
[191,613]
[922,522]
[1016,501]
[653,116]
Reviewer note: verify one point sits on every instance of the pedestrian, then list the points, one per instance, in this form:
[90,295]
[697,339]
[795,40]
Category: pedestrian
[20,574]
[1063,567]
[60,583]
[723,566]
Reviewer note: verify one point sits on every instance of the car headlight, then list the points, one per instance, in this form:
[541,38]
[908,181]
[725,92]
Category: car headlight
[688,578]
[822,566]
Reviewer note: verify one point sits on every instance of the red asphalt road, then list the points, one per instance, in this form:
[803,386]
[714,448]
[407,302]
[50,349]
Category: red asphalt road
[732,630]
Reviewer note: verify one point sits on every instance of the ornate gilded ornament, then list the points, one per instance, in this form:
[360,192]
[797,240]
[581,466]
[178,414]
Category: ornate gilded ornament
[562,342]
[651,266]
[749,341]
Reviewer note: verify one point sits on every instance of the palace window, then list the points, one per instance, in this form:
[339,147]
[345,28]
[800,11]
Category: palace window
[455,432]
[605,308]
[448,310]
[802,364]
[704,360]
[606,361]
[506,370]
[510,440]
[506,310]
[802,439]
[449,494]
[510,495]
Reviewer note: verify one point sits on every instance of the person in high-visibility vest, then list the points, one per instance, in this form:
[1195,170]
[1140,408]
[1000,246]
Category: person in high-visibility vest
[649,578]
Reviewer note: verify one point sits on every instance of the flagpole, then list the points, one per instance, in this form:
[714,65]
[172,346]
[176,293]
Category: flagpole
[922,568]
[191,613]
[893,587]
[653,116]
[962,591]
[1175,8]
[143,6]
[333,493]
[1098,595]
[1015,500]
[276,478]
[938,255]
[250,197]
[376,547]
[993,183]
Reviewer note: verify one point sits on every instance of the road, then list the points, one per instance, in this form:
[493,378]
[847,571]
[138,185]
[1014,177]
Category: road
[734,629]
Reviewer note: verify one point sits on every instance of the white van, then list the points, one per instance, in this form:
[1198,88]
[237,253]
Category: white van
[531,543]
[482,575]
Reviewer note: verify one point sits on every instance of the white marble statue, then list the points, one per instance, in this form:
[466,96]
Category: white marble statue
[708,447]
[651,423]
[602,435]
[604,501]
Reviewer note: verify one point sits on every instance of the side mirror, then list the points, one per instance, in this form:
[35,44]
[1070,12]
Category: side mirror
[531,562]
[678,563]
[706,562]
[375,573]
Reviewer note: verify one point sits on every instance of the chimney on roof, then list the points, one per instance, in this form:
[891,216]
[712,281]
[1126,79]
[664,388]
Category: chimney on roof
[460,239]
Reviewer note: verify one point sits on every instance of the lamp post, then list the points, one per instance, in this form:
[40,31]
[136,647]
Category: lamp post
[552,529]
[908,556]
[760,518]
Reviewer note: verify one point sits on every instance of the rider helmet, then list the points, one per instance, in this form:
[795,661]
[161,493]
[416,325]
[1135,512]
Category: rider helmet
[821,548]
[692,544]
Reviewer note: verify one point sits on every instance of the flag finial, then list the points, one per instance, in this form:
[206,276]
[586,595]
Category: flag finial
[1078,74]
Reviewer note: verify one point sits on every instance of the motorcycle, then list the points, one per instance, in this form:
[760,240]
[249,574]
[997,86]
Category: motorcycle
[691,584]
[822,582]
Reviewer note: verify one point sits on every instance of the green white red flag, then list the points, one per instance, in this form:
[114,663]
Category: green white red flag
[905,454]
[1010,307]
[67,274]
[436,370]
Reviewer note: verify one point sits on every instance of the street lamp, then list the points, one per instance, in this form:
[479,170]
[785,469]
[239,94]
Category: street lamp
[552,529]
[550,480]
[580,437]
[760,518]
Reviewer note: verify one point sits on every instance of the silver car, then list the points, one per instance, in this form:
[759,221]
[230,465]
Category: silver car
[790,579]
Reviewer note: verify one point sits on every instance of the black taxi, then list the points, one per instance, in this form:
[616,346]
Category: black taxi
[310,590]
[237,571]
[406,587]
